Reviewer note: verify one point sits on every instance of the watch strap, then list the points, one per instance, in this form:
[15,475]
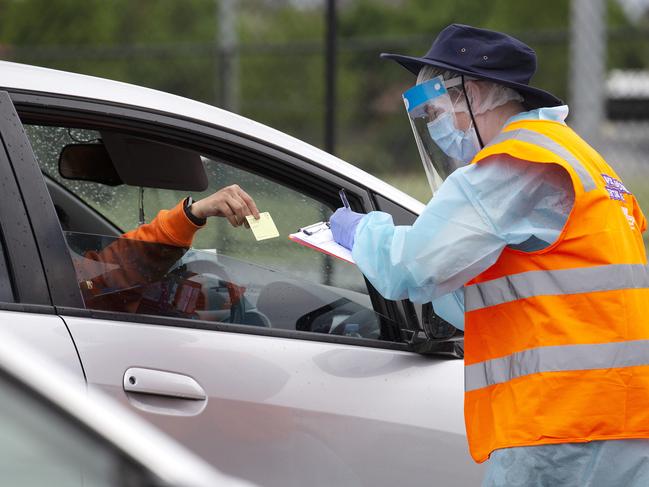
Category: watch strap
[189,201]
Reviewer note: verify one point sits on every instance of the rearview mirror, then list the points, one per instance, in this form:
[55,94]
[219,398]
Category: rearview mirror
[88,162]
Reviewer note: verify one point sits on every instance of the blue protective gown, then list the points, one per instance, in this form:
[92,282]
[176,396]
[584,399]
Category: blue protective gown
[480,209]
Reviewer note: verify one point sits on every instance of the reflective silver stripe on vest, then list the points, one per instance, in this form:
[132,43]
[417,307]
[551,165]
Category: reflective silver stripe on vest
[556,359]
[547,143]
[552,283]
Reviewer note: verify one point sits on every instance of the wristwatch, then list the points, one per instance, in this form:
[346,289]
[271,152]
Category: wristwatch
[189,201]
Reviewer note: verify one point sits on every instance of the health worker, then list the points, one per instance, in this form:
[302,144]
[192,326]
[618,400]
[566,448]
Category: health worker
[532,244]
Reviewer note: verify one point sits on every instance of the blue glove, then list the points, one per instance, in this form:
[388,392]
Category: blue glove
[343,226]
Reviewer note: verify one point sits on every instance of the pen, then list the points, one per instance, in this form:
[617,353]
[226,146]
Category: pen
[343,198]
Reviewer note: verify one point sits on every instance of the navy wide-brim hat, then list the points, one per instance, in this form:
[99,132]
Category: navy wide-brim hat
[483,54]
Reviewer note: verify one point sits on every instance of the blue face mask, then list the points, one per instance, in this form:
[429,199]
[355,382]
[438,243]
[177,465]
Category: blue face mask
[455,143]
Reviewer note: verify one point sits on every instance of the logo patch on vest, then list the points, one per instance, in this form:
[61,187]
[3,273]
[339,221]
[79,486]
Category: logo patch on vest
[615,187]
[629,218]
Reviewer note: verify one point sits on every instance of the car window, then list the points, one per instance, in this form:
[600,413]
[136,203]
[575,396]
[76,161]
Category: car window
[289,209]
[282,284]
[39,445]
[124,275]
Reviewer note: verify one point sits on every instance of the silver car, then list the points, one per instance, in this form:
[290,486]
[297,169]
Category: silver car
[273,362]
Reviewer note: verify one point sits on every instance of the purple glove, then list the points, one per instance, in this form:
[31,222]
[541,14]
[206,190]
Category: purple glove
[343,226]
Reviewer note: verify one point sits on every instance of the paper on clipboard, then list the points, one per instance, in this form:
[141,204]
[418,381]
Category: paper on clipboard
[319,237]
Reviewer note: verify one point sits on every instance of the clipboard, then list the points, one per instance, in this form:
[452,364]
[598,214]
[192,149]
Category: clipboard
[319,237]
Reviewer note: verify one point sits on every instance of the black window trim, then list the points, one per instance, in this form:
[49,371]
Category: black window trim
[22,255]
[28,308]
[7,287]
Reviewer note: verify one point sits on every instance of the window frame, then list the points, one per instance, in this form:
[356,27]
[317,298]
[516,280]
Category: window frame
[22,256]
[256,156]
[6,283]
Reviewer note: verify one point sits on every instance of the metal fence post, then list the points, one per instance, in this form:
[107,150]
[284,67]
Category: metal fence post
[228,56]
[587,67]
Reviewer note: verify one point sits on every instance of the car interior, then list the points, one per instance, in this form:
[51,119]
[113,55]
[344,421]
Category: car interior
[193,284]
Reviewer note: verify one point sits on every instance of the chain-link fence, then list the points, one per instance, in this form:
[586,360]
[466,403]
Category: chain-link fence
[623,139]
[371,125]
[280,81]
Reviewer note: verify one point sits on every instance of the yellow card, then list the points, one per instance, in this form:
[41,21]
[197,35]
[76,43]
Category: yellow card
[263,228]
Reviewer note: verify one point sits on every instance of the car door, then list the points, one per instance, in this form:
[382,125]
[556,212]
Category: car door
[25,301]
[297,373]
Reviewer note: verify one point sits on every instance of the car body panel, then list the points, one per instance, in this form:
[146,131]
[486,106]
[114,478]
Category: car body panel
[305,411]
[47,334]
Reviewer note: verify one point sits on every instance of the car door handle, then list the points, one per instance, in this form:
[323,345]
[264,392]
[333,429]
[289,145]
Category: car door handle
[160,383]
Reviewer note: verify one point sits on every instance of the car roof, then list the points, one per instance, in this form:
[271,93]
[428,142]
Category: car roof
[115,424]
[33,78]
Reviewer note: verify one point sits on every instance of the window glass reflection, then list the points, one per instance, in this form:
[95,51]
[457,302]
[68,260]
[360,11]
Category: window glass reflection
[122,275]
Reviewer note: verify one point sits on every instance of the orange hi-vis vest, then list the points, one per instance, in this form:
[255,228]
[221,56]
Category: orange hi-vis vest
[557,340]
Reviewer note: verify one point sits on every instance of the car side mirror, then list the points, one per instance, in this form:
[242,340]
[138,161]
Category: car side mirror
[434,326]
[437,336]
[88,162]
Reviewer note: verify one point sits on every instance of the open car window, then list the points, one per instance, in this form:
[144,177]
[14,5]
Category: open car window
[123,275]
[227,276]
[290,210]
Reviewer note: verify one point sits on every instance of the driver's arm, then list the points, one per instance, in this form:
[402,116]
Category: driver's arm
[179,225]
[170,227]
[128,264]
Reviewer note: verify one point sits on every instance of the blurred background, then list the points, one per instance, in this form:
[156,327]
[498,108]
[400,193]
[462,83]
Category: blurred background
[311,68]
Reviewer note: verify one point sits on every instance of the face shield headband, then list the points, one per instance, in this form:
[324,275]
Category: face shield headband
[433,115]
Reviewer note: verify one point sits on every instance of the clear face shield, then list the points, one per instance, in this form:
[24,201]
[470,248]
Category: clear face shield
[445,136]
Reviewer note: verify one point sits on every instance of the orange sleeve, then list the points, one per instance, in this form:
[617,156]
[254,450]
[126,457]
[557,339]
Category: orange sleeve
[170,227]
[127,264]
